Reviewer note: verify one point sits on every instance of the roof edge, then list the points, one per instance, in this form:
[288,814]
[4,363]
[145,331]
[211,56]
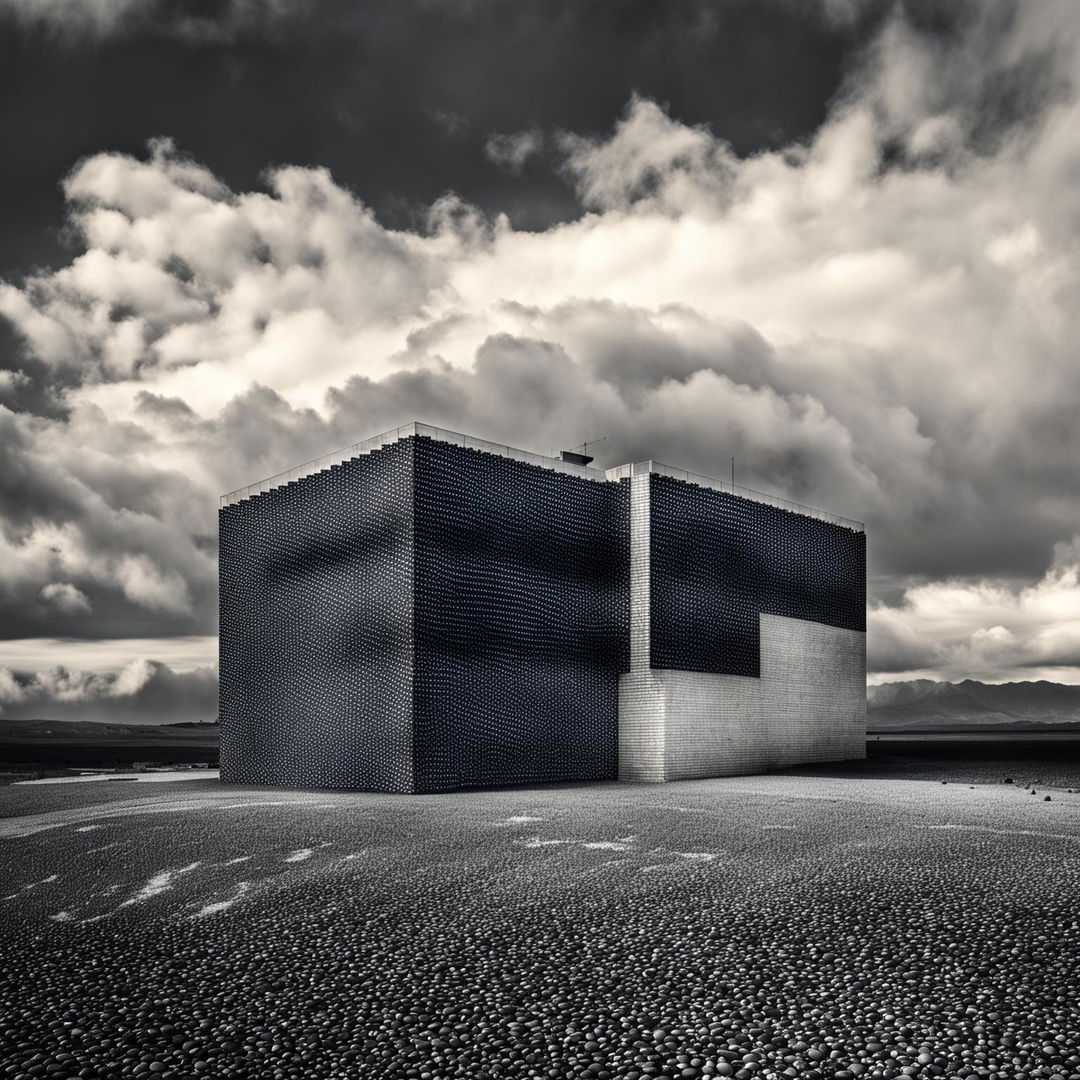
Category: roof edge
[416,427]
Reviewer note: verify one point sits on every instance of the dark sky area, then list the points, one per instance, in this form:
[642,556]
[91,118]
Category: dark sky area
[397,99]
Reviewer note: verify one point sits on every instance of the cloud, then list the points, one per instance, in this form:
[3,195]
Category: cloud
[984,629]
[452,124]
[76,20]
[143,691]
[195,22]
[893,644]
[879,320]
[107,655]
[64,596]
[651,161]
[92,530]
[97,17]
[512,151]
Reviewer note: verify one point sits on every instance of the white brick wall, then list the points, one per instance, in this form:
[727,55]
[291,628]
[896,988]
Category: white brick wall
[809,703]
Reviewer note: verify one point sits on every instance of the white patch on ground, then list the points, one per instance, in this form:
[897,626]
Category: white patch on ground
[653,866]
[519,819]
[239,858]
[697,856]
[19,827]
[165,776]
[31,885]
[246,805]
[352,855]
[62,916]
[160,883]
[104,847]
[89,828]
[223,905]
[593,845]
[305,853]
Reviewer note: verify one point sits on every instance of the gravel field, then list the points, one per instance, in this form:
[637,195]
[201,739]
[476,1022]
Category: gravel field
[791,925]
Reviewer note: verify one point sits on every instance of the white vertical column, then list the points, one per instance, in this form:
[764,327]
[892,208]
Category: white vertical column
[640,570]
[641,703]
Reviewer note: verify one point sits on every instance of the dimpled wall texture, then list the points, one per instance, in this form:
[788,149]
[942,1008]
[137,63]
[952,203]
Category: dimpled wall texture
[316,629]
[422,618]
[718,561]
[522,608]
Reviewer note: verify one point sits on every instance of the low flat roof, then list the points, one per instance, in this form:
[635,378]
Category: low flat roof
[406,431]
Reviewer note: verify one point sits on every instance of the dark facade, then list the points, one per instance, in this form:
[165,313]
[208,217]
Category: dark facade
[316,617]
[421,618]
[719,561]
[521,620]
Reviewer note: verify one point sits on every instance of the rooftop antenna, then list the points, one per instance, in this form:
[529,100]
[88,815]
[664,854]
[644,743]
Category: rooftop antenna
[585,445]
[583,457]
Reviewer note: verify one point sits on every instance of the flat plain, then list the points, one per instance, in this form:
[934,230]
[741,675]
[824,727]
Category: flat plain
[863,919]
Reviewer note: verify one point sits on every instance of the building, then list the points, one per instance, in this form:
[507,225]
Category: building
[426,611]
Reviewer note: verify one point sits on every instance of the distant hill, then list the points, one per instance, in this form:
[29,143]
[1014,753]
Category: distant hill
[923,705]
[919,705]
[91,731]
[37,743]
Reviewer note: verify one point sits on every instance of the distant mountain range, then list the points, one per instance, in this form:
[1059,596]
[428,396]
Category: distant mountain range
[37,743]
[919,705]
[923,705]
[92,731]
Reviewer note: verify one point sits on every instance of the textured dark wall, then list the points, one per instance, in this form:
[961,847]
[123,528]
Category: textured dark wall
[428,616]
[522,620]
[316,629]
[422,618]
[718,561]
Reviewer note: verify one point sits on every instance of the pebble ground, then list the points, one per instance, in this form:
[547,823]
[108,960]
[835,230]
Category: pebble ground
[759,927]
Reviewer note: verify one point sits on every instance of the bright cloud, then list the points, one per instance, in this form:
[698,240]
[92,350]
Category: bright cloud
[881,321]
[144,691]
[989,630]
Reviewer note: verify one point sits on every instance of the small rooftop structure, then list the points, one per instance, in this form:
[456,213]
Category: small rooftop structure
[575,457]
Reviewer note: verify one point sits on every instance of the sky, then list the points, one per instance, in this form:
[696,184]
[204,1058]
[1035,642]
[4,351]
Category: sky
[834,239]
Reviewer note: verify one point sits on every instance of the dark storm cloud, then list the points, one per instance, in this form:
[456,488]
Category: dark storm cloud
[893,646]
[95,542]
[366,90]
